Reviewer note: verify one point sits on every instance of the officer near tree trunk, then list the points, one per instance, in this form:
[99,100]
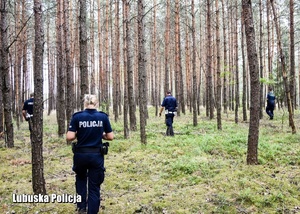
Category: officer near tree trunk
[27,111]
[170,105]
[89,127]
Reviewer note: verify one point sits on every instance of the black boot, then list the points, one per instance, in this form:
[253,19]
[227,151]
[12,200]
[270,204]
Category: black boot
[171,131]
[168,133]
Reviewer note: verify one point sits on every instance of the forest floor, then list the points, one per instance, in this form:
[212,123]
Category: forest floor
[199,170]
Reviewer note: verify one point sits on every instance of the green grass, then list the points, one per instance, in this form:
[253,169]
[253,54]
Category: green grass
[199,170]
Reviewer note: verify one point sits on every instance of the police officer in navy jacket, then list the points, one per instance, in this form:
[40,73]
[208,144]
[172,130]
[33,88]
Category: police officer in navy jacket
[170,105]
[90,127]
[27,110]
[270,103]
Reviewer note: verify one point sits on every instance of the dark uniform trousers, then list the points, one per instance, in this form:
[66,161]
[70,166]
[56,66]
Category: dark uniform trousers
[169,123]
[270,110]
[89,168]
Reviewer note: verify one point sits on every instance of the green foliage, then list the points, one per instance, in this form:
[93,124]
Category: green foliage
[225,73]
[268,81]
[199,170]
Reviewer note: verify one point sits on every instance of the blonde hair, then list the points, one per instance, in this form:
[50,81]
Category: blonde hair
[90,99]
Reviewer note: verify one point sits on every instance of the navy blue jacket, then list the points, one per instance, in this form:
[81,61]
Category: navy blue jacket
[271,98]
[170,103]
[28,106]
[89,125]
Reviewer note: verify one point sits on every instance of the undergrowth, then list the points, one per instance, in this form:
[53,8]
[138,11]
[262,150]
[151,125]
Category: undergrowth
[199,170]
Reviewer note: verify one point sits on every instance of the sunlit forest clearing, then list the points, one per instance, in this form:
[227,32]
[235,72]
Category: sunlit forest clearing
[199,170]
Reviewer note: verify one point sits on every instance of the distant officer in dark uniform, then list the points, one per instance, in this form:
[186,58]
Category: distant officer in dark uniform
[170,105]
[27,110]
[89,127]
[270,103]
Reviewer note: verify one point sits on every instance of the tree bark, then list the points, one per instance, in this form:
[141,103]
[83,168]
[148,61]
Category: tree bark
[154,59]
[51,70]
[225,101]
[83,44]
[142,72]
[6,87]
[261,67]
[125,106]
[245,79]
[69,68]
[130,73]
[219,85]
[116,70]
[178,69]
[194,80]
[25,56]
[167,41]
[105,98]
[284,72]
[38,181]
[292,56]
[253,133]
[210,104]
[237,82]
[100,59]
[189,59]
[92,72]
[60,68]
[18,63]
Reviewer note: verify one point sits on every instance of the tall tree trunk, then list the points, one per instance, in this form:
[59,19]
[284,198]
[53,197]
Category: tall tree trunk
[69,71]
[292,57]
[284,72]
[270,52]
[188,59]
[167,41]
[261,70]
[230,59]
[253,133]
[219,85]
[24,51]
[92,75]
[18,63]
[118,60]
[38,181]
[200,69]
[245,79]
[155,79]
[100,61]
[237,82]
[210,104]
[116,70]
[178,69]
[106,69]
[142,72]
[50,69]
[60,104]
[83,44]
[130,74]
[194,80]
[4,68]
[125,47]
[225,102]
[180,87]
[76,56]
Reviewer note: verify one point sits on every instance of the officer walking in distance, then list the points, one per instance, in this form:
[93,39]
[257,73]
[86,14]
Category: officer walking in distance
[90,127]
[27,110]
[270,103]
[170,105]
